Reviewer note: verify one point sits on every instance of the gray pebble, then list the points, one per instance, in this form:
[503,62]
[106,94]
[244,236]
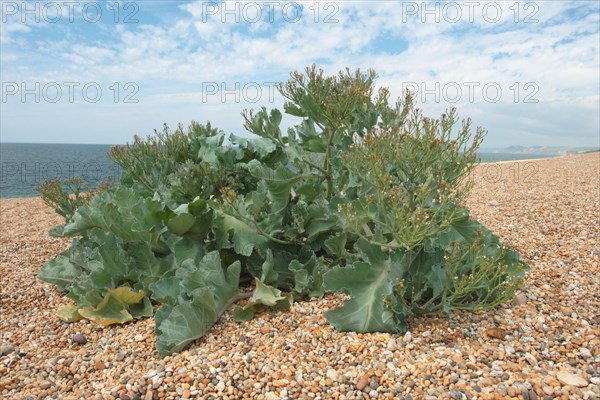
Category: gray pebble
[6,348]
[585,352]
[79,338]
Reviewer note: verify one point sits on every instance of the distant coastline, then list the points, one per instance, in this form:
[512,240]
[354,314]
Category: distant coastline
[506,157]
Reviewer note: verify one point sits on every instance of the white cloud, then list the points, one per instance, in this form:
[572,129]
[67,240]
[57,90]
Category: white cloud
[9,28]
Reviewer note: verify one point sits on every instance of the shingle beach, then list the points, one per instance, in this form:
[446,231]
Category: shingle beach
[544,345]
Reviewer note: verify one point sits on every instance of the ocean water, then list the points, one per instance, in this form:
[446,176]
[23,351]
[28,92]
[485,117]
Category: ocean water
[23,166]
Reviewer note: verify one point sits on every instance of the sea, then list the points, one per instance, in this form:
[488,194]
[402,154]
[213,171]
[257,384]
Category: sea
[24,166]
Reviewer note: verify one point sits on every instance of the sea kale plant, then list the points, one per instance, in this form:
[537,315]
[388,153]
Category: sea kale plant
[361,197]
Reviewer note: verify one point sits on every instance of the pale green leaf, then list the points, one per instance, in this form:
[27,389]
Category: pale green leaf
[368,283]
[263,297]
[68,313]
[114,309]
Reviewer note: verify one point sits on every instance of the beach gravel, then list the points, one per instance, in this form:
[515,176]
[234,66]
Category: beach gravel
[543,345]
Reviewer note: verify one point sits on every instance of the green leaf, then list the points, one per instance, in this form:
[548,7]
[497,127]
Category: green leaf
[241,314]
[292,109]
[308,277]
[265,125]
[72,265]
[142,309]
[279,183]
[141,222]
[368,283]
[261,147]
[461,230]
[318,226]
[59,271]
[271,266]
[438,279]
[57,231]
[177,326]
[183,248]
[336,245]
[166,290]
[181,223]
[115,262]
[312,140]
[268,274]
[245,238]
[269,296]
[206,290]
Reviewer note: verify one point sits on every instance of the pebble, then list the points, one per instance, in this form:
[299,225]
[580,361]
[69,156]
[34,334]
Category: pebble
[519,300]
[392,345]
[6,348]
[265,329]
[362,382]
[332,374]
[585,353]
[281,382]
[549,391]
[569,378]
[531,359]
[79,338]
[497,333]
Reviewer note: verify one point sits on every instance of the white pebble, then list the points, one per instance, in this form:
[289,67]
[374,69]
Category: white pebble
[332,374]
[585,352]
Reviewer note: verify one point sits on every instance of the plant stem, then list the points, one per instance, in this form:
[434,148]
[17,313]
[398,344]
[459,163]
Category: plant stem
[327,163]
[232,300]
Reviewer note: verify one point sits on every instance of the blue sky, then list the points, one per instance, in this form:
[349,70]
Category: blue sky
[99,72]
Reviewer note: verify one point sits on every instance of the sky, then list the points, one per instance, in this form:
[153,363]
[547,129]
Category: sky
[100,72]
